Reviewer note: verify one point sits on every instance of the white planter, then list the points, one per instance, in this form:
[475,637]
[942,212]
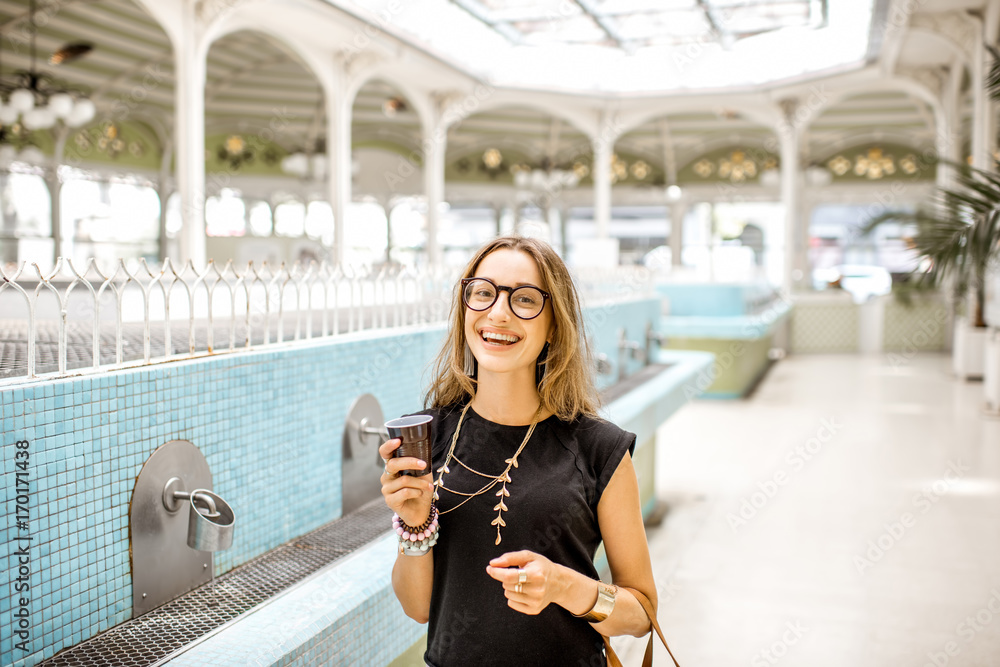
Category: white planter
[991,376]
[969,353]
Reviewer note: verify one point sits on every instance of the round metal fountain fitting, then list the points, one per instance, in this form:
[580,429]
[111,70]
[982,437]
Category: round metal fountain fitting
[170,499]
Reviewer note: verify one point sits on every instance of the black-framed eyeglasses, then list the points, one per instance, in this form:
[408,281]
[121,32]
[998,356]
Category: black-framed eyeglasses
[527,301]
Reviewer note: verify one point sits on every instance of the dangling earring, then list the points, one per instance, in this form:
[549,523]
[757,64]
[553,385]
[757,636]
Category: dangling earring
[541,366]
[470,362]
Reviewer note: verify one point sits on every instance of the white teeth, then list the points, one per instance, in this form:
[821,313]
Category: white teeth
[489,335]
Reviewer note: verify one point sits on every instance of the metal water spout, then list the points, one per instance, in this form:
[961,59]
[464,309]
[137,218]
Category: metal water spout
[654,342]
[171,549]
[628,349]
[210,527]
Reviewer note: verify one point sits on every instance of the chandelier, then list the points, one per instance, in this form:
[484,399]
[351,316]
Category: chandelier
[546,176]
[540,180]
[38,101]
[307,163]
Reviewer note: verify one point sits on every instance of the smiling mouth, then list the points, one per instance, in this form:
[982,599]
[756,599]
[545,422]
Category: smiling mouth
[498,339]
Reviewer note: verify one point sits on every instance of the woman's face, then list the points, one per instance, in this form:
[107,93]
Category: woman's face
[511,268]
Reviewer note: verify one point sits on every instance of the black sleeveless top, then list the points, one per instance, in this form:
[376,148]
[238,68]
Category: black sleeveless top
[552,511]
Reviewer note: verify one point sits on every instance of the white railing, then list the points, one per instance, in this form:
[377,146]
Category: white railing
[129,313]
[178,312]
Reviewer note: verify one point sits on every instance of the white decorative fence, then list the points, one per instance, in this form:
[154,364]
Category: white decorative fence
[70,320]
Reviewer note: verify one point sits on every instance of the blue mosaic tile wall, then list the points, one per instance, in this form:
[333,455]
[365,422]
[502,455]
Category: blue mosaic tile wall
[603,324]
[268,422]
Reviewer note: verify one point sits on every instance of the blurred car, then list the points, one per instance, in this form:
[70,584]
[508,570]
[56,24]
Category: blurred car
[860,280]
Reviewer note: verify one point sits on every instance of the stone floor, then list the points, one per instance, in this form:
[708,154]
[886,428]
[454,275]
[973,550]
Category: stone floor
[847,514]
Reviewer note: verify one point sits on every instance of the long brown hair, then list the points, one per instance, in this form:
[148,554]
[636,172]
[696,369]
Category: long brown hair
[568,387]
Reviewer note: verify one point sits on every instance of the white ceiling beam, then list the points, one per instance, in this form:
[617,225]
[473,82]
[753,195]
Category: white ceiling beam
[669,154]
[552,148]
[211,92]
[893,36]
[139,68]
[92,18]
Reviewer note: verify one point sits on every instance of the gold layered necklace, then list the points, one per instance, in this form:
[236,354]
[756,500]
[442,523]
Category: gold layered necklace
[503,479]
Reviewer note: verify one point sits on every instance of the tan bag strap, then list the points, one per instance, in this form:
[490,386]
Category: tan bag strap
[647,660]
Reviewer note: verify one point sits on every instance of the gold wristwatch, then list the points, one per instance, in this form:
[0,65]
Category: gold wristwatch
[605,603]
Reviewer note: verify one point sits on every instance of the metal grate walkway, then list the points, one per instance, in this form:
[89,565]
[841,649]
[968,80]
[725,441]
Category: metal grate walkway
[157,635]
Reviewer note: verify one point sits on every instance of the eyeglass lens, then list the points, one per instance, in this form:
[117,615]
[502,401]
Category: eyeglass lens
[526,302]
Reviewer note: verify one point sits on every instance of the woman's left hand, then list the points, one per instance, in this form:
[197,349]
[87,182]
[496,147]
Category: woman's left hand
[530,581]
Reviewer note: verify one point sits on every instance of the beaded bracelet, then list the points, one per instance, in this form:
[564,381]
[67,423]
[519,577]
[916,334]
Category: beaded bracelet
[417,541]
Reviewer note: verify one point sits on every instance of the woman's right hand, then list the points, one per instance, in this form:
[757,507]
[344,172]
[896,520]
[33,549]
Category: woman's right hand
[408,496]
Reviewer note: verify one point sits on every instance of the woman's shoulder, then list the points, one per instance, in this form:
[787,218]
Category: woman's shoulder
[592,433]
[590,424]
[599,447]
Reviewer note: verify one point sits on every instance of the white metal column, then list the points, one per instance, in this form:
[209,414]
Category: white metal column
[435,144]
[601,174]
[338,150]
[678,210]
[790,196]
[190,144]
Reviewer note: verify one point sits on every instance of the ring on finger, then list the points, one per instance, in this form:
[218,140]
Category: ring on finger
[522,576]
[517,588]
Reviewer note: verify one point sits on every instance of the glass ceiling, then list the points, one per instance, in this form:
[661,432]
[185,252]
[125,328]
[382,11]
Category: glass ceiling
[631,24]
[631,45]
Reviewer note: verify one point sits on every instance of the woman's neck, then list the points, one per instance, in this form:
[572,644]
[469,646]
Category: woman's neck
[507,398]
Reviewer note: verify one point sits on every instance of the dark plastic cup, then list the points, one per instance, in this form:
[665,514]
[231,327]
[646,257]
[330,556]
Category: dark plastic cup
[414,433]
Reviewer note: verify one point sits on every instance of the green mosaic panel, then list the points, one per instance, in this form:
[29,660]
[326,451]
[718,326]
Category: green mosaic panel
[824,327]
[916,328]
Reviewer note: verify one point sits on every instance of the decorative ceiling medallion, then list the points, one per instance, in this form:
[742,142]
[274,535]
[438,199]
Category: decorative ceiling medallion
[874,164]
[736,167]
[109,140]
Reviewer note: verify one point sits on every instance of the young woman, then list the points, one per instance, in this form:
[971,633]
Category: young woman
[526,481]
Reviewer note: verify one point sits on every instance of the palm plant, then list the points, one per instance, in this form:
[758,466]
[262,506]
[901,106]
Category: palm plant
[958,233]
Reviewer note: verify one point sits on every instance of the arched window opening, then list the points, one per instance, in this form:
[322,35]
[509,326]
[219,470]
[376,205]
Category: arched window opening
[290,219]
[319,222]
[225,215]
[261,223]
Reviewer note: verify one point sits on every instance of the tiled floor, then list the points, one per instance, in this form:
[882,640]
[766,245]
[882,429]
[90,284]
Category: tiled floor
[879,548]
